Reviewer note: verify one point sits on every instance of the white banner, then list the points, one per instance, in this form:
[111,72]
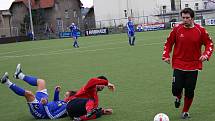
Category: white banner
[210,22]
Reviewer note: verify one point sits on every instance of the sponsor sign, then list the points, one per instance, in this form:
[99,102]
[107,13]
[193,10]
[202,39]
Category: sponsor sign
[210,22]
[67,34]
[96,32]
[153,27]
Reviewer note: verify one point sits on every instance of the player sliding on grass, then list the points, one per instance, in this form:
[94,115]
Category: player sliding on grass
[84,104]
[38,104]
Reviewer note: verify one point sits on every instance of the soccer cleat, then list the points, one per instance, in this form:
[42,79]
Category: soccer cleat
[177,103]
[18,71]
[4,78]
[185,115]
[76,119]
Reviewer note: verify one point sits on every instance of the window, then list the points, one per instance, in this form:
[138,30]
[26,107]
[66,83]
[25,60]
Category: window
[186,5]
[74,13]
[205,5]
[66,14]
[163,9]
[196,6]
[173,5]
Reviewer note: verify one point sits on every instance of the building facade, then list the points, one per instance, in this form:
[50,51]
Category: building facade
[115,12]
[48,15]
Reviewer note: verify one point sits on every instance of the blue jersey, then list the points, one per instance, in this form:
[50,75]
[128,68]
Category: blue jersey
[130,26]
[51,110]
[55,109]
[74,30]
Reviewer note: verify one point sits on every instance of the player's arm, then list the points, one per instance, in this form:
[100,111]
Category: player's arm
[95,81]
[209,46]
[107,111]
[54,114]
[168,46]
[56,93]
[128,27]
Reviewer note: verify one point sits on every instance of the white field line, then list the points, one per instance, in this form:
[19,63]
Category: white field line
[39,48]
[64,51]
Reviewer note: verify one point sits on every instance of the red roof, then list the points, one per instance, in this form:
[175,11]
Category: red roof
[37,3]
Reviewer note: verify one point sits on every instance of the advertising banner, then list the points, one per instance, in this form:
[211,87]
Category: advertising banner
[96,32]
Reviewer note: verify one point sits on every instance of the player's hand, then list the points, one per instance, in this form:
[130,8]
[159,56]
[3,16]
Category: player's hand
[57,88]
[111,87]
[43,101]
[108,111]
[203,58]
[167,60]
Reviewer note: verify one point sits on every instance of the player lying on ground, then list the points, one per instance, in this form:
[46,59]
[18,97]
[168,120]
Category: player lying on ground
[84,104]
[38,104]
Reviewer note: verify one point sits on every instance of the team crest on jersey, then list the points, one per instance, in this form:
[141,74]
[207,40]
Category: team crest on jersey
[36,106]
[181,35]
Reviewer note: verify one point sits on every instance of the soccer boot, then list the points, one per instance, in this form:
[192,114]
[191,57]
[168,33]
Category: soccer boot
[185,115]
[18,71]
[4,78]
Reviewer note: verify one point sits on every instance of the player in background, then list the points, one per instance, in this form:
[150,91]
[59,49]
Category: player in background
[188,39]
[84,104]
[74,31]
[131,31]
[38,104]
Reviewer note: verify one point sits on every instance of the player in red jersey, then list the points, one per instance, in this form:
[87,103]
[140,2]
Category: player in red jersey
[187,38]
[83,105]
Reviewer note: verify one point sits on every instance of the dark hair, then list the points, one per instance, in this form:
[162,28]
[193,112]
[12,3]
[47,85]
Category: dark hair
[71,93]
[102,77]
[188,10]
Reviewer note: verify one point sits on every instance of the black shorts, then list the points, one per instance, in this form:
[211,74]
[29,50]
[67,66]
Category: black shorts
[184,79]
[77,107]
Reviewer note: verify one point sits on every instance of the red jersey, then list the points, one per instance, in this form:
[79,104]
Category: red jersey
[89,90]
[187,47]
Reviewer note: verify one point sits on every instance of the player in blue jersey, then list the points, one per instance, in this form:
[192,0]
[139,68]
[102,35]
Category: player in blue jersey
[38,104]
[131,31]
[74,31]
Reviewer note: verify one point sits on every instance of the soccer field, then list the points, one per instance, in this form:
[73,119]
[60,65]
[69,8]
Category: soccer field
[142,79]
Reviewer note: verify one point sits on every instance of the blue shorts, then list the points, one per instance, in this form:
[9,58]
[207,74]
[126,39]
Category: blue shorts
[41,94]
[130,33]
[36,108]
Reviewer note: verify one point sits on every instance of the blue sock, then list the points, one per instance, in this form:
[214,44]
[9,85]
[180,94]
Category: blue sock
[31,80]
[18,90]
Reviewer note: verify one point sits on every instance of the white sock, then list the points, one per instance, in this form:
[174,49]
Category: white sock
[21,76]
[8,83]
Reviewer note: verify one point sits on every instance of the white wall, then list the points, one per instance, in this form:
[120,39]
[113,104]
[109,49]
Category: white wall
[191,4]
[114,9]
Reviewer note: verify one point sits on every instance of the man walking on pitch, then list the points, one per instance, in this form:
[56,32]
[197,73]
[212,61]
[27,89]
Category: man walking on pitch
[131,31]
[187,38]
[74,33]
